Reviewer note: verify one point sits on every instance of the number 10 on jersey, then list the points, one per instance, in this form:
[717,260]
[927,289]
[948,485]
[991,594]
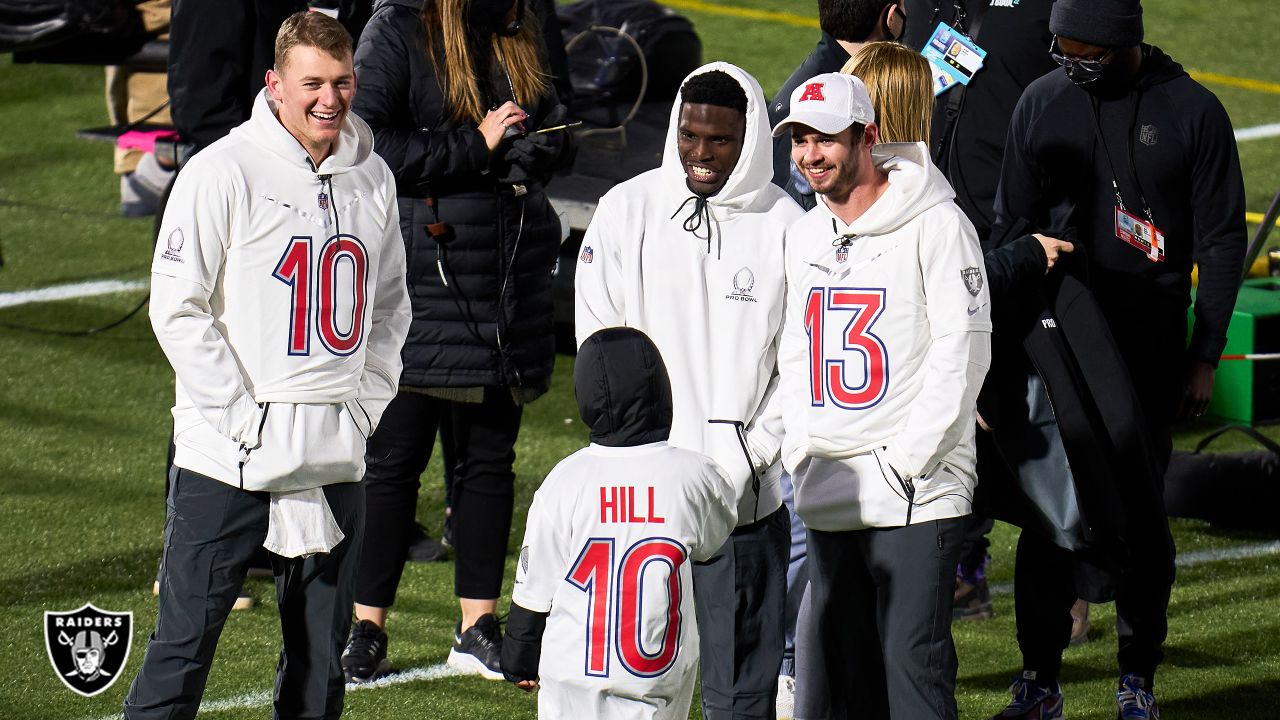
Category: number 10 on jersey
[616,607]
[324,299]
[860,356]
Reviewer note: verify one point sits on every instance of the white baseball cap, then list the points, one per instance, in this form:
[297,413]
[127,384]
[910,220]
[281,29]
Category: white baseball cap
[829,103]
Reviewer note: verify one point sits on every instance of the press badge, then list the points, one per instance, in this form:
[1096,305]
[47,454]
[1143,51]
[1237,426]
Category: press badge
[953,57]
[1141,234]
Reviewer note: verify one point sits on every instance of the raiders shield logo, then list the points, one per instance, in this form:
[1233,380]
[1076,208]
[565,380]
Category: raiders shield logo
[88,647]
[972,277]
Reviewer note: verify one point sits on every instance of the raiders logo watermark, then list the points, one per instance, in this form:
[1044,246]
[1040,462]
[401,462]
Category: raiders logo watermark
[972,277]
[88,647]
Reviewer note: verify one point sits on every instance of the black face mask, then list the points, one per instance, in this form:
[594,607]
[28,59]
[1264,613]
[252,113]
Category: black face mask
[490,17]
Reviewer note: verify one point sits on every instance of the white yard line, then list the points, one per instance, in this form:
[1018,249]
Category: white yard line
[71,292]
[250,701]
[1259,132]
[1198,557]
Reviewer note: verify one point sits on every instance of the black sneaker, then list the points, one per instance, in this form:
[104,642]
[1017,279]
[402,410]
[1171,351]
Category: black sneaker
[365,658]
[479,649]
[422,548]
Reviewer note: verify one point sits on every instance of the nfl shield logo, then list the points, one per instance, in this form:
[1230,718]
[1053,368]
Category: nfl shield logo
[323,200]
[842,254]
[88,647]
[972,277]
[1149,135]
[588,254]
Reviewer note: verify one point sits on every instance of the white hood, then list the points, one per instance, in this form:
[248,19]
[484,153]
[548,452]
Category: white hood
[915,186]
[746,187]
[354,146]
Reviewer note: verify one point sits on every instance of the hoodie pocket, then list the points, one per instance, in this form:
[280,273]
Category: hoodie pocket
[852,493]
[305,445]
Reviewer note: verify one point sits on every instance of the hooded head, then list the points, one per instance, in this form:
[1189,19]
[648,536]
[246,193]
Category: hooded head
[624,394]
[732,186]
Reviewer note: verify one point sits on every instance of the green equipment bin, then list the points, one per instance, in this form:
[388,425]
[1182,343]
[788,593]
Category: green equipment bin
[1248,391]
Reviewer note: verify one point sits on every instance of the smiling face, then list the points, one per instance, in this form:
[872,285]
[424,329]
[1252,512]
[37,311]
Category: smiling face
[313,92]
[833,164]
[709,140]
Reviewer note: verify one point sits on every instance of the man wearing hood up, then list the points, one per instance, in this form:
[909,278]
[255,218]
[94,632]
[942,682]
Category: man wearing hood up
[278,295]
[1137,159]
[626,516]
[691,255]
[885,345]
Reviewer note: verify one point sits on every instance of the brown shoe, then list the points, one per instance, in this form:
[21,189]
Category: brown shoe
[1080,622]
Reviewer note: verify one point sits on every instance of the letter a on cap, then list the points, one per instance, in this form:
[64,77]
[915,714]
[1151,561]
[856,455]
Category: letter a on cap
[812,91]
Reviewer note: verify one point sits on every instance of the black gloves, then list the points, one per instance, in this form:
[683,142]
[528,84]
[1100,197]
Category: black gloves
[522,644]
[536,155]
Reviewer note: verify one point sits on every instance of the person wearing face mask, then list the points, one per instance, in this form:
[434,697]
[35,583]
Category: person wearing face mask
[1123,150]
[846,25]
[691,254]
[462,108]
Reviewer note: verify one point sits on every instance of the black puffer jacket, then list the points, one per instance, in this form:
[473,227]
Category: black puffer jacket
[481,291]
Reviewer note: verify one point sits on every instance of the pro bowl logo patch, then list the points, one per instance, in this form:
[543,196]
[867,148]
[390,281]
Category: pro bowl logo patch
[842,254]
[972,277]
[88,647]
[173,246]
[588,254]
[743,281]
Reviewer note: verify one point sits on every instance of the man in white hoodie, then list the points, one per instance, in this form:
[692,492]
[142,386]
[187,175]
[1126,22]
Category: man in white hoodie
[278,296]
[885,344]
[691,255]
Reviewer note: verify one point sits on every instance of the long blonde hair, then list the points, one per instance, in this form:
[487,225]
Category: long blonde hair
[456,71]
[901,88]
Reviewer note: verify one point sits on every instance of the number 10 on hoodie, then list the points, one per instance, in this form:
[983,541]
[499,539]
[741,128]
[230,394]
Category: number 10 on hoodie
[318,291]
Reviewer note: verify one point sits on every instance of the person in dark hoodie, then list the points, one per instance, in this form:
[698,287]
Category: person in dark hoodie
[456,92]
[625,515]
[1127,153]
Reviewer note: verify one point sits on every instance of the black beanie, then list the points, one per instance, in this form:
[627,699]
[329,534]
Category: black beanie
[1107,23]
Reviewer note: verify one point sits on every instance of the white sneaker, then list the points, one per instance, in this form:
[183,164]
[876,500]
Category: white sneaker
[786,702]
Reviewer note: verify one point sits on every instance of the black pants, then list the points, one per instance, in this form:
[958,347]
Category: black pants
[211,531]
[484,438]
[882,600]
[741,595]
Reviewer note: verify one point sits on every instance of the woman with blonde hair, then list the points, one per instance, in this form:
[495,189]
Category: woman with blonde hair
[900,84]
[459,97]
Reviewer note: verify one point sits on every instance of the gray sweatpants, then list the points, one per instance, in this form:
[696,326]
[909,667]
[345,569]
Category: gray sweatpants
[740,596]
[211,532]
[881,602]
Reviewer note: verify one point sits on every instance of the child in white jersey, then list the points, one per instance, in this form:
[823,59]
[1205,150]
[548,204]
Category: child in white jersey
[602,612]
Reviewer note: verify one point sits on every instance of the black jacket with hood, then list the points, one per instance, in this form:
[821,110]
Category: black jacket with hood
[1169,140]
[481,287]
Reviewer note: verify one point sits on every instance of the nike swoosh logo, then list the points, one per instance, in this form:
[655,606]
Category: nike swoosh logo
[974,310]
[823,268]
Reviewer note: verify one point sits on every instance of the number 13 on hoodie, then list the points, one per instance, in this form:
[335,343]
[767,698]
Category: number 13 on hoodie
[861,355]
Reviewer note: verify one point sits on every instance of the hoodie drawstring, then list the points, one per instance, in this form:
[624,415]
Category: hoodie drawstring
[738,426]
[701,213]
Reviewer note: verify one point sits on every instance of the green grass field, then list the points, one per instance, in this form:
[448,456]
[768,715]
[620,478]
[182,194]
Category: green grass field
[84,421]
